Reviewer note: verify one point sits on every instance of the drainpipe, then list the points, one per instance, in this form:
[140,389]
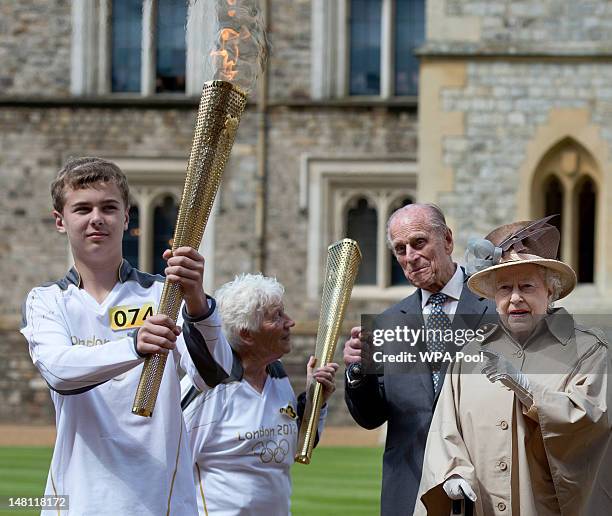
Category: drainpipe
[262,159]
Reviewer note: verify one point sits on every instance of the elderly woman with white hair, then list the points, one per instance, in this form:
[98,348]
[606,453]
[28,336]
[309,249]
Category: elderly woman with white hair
[243,433]
[528,431]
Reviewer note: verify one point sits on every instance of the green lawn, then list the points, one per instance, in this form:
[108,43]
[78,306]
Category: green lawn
[338,481]
[23,472]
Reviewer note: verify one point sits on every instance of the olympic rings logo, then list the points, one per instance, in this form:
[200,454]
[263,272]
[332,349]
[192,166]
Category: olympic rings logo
[269,451]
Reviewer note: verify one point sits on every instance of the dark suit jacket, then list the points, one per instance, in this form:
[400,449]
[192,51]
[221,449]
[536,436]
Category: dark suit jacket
[406,401]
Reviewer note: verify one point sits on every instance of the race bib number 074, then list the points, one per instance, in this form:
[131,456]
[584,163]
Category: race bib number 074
[125,317]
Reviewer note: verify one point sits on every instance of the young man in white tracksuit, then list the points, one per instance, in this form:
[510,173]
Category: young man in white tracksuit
[88,335]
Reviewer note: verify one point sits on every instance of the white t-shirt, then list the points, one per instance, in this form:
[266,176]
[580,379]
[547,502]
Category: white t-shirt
[243,444]
[106,459]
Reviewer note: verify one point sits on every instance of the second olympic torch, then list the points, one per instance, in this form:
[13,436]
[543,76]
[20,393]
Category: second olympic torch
[343,259]
[221,106]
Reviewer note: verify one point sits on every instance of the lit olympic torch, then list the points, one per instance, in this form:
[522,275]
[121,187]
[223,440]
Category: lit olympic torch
[238,54]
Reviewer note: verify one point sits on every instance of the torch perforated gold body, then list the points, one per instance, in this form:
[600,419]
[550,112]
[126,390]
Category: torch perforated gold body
[343,259]
[218,118]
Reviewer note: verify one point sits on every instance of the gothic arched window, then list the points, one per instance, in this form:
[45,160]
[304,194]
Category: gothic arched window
[362,226]
[553,203]
[131,236]
[586,208]
[164,220]
[354,198]
[566,183]
[397,274]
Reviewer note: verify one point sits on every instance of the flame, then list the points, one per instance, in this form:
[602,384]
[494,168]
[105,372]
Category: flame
[235,39]
[226,58]
[228,38]
[231,12]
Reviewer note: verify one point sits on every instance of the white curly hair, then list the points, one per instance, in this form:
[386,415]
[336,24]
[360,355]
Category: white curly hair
[243,303]
[554,283]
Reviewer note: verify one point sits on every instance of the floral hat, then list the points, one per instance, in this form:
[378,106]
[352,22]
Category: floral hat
[515,244]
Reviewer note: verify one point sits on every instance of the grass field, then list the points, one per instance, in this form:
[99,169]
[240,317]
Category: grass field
[23,472]
[339,480]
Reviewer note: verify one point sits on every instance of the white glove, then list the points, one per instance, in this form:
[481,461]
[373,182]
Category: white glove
[497,368]
[456,488]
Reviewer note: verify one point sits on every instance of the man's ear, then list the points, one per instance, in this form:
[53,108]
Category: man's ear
[59,221]
[127,218]
[448,241]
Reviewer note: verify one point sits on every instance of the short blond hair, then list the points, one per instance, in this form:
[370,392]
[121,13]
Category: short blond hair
[79,173]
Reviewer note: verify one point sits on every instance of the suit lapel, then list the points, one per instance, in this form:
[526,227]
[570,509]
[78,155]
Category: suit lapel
[412,304]
[470,311]
[413,310]
[470,308]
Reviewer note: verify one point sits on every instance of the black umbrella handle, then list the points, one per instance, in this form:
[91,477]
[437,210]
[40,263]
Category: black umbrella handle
[463,507]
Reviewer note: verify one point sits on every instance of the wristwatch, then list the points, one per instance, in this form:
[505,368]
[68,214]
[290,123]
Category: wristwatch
[354,374]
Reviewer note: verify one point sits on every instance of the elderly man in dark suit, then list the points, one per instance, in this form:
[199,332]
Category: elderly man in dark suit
[423,245]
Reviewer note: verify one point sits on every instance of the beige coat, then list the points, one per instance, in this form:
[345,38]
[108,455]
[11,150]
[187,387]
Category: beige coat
[555,458]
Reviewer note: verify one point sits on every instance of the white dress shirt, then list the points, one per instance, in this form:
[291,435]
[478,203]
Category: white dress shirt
[453,292]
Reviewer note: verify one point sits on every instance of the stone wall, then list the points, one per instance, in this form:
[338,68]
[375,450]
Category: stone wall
[35,47]
[25,396]
[503,105]
[289,65]
[568,23]
[36,141]
[517,26]
[352,133]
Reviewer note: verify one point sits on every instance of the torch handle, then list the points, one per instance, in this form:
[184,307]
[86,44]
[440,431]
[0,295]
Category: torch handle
[308,428]
[148,386]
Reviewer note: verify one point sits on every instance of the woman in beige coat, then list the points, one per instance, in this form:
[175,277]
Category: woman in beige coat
[528,431]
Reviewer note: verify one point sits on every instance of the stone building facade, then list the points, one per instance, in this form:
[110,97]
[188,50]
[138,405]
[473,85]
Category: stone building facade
[511,120]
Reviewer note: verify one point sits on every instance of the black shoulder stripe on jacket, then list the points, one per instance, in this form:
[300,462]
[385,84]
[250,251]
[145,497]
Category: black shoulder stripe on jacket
[72,392]
[276,370]
[211,372]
